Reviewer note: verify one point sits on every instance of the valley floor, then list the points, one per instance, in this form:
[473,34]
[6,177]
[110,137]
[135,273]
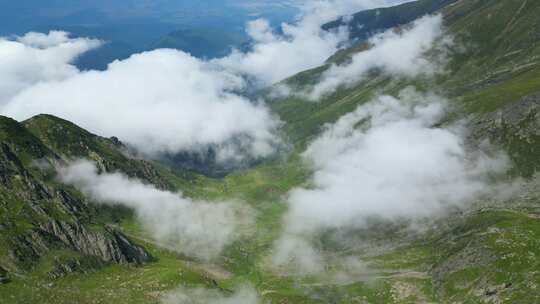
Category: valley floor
[488,255]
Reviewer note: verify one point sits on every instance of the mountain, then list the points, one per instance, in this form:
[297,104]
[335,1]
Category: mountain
[57,245]
[133,26]
[494,82]
[201,43]
[364,24]
[44,220]
[500,69]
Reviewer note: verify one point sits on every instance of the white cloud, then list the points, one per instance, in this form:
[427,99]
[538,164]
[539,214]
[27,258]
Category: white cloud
[159,101]
[299,46]
[166,100]
[385,160]
[36,58]
[274,57]
[196,228]
[330,10]
[244,295]
[396,53]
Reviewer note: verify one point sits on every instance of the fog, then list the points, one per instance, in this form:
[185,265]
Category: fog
[388,160]
[244,295]
[401,54]
[166,101]
[195,228]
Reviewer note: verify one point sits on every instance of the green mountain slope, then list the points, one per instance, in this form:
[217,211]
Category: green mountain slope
[41,218]
[488,254]
[364,24]
[500,66]
[72,142]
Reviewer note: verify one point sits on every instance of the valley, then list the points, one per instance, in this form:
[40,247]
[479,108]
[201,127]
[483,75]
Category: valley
[58,244]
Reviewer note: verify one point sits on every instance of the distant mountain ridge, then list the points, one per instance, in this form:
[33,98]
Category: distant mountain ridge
[364,24]
[133,26]
[202,43]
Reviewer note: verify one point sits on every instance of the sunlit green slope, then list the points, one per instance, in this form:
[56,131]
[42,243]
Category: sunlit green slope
[488,254]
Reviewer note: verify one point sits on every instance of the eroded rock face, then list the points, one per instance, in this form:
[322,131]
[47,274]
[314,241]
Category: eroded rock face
[515,127]
[9,164]
[39,216]
[468,257]
[65,266]
[110,245]
[523,117]
[3,276]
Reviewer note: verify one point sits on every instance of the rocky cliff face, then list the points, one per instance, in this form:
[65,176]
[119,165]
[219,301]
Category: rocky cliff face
[110,245]
[516,127]
[3,276]
[39,216]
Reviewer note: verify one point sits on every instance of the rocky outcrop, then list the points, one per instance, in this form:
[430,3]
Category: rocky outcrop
[522,117]
[63,266]
[3,276]
[470,256]
[516,127]
[110,245]
[9,164]
[38,216]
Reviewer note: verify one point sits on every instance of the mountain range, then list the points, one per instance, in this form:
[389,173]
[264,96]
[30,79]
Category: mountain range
[203,28]
[59,245]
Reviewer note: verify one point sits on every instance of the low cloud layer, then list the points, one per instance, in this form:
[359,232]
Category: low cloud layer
[244,295]
[160,101]
[167,101]
[36,58]
[297,46]
[195,228]
[385,160]
[276,56]
[328,10]
[395,53]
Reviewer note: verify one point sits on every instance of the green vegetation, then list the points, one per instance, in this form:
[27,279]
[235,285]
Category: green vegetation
[488,255]
[365,23]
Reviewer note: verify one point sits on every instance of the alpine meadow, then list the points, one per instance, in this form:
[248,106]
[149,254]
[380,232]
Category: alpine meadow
[254,152]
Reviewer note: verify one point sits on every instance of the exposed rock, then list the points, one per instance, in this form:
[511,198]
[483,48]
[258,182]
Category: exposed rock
[491,294]
[29,247]
[39,216]
[9,164]
[72,265]
[468,257]
[4,278]
[516,127]
[63,269]
[522,116]
[110,245]
[116,142]
[402,291]
[12,169]
[71,204]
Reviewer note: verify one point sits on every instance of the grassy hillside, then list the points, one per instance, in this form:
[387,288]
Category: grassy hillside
[496,62]
[488,254]
[364,24]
